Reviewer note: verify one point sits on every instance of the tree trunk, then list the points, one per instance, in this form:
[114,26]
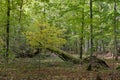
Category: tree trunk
[81,39]
[115,33]
[93,62]
[64,55]
[7,30]
[91,28]
[21,6]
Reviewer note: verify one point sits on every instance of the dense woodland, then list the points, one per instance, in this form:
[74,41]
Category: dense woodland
[71,37]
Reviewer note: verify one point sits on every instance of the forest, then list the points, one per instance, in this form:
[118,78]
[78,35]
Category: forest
[59,40]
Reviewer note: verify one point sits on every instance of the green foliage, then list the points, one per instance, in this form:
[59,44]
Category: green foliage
[63,15]
[118,68]
[44,0]
[45,36]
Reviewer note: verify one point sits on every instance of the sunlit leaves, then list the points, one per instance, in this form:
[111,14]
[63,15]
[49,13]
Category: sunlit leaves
[66,14]
[45,36]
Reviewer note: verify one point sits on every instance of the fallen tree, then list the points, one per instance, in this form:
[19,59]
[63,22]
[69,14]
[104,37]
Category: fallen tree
[64,55]
[92,62]
[48,37]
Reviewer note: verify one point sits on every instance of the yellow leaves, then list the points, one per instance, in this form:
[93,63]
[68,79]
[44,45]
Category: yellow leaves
[28,33]
[46,36]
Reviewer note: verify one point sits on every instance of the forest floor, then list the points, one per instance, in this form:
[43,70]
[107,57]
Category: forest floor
[54,69]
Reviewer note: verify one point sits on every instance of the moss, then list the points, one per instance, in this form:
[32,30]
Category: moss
[93,63]
[64,55]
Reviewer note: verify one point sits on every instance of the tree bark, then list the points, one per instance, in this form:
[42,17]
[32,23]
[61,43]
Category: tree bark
[21,5]
[91,28]
[64,55]
[7,30]
[92,61]
[81,39]
[115,33]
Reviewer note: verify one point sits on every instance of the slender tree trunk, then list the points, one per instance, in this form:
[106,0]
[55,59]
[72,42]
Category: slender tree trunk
[7,30]
[21,5]
[81,45]
[103,46]
[76,45]
[99,46]
[115,35]
[81,39]
[20,18]
[91,28]
[85,46]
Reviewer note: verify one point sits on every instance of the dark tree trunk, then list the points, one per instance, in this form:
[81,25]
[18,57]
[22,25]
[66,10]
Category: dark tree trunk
[7,30]
[81,47]
[20,18]
[115,33]
[91,28]
[81,39]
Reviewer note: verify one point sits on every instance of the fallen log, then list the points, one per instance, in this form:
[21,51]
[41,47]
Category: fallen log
[93,63]
[64,55]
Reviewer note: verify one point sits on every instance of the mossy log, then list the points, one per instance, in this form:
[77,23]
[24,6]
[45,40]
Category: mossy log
[64,55]
[94,63]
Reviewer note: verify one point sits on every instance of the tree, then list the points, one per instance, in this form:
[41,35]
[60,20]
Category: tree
[82,30]
[7,30]
[37,38]
[76,17]
[115,33]
[44,36]
[91,28]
